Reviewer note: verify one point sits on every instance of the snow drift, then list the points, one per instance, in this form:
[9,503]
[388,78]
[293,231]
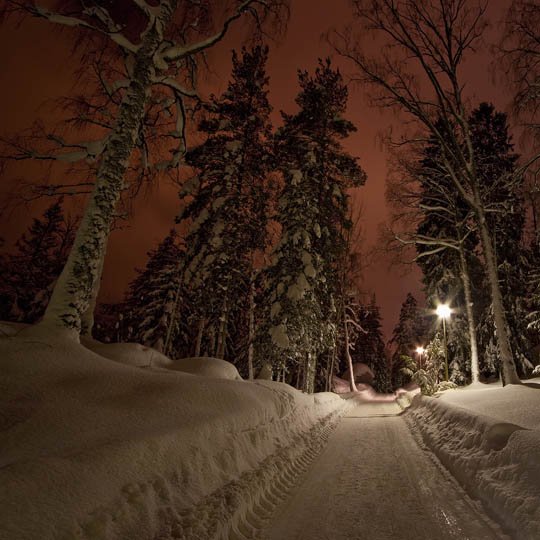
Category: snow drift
[496,460]
[207,367]
[96,449]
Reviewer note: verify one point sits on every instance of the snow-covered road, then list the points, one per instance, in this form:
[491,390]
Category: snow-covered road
[373,482]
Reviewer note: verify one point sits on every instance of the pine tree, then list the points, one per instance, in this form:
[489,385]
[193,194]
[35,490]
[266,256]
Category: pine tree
[408,334]
[6,294]
[226,203]
[502,189]
[369,345]
[446,252]
[303,277]
[153,299]
[457,274]
[154,66]
[31,272]
[416,34]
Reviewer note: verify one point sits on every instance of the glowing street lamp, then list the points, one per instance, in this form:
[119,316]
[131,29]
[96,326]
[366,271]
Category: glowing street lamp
[420,351]
[443,312]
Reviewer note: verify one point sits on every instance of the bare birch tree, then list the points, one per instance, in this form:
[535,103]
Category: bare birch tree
[420,189]
[421,47]
[160,42]
[520,55]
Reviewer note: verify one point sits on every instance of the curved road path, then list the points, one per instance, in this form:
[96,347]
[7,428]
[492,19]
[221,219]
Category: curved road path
[374,482]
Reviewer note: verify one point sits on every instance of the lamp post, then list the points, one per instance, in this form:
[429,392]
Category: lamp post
[443,311]
[420,351]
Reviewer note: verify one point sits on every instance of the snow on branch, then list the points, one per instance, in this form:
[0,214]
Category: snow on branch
[356,325]
[62,151]
[177,52]
[110,28]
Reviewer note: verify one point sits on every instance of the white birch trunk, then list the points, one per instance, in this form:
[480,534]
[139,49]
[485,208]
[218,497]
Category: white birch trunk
[222,332]
[87,318]
[172,317]
[74,288]
[352,384]
[251,335]
[475,369]
[309,374]
[508,367]
[331,373]
[198,341]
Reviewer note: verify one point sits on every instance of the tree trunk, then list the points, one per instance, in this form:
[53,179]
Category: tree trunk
[309,374]
[475,370]
[75,286]
[222,332]
[198,341]
[298,375]
[87,318]
[172,316]
[348,352]
[508,367]
[211,347]
[251,336]
[329,370]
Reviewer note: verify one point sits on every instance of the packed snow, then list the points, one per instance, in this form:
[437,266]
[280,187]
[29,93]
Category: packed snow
[207,367]
[373,482]
[97,449]
[133,354]
[516,404]
[117,441]
[489,439]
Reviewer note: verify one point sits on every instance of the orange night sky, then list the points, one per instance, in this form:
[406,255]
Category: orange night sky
[36,65]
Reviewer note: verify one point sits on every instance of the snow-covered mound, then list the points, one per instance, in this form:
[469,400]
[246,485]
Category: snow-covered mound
[495,459]
[10,329]
[512,403]
[133,354]
[207,367]
[95,449]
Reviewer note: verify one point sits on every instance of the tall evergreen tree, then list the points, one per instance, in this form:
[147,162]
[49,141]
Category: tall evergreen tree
[153,297]
[423,35]
[502,189]
[226,203]
[303,276]
[31,272]
[446,253]
[408,334]
[369,345]
[453,270]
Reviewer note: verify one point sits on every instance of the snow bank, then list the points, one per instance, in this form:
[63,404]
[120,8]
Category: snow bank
[95,449]
[513,403]
[497,461]
[10,329]
[207,367]
[133,354]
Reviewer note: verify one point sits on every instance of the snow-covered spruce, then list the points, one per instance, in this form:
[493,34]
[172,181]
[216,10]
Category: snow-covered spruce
[154,81]
[29,274]
[225,207]
[153,297]
[496,461]
[303,278]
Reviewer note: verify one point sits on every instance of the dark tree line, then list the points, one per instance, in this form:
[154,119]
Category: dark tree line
[253,273]
[256,269]
[29,272]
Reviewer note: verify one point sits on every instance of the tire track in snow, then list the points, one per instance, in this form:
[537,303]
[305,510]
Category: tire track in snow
[373,482]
